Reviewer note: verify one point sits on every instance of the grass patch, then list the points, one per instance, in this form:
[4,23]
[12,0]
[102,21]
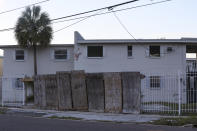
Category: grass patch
[191,120]
[105,121]
[108,121]
[3,110]
[174,106]
[171,108]
[65,118]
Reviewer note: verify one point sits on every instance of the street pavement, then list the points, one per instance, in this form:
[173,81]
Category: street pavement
[89,116]
[19,122]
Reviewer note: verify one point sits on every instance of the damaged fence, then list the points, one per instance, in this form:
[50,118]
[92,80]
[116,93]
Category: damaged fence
[99,92]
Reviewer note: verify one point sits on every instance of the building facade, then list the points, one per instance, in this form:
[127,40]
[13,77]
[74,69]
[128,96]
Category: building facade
[145,56]
[155,58]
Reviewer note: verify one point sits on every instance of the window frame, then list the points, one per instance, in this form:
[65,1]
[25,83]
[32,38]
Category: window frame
[54,54]
[15,55]
[154,56]
[96,57]
[128,51]
[155,82]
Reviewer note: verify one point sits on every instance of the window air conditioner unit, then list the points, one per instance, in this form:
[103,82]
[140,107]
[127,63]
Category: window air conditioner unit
[169,49]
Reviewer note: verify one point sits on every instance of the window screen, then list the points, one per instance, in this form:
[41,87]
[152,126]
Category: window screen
[60,54]
[155,51]
[95,51]
[19,55]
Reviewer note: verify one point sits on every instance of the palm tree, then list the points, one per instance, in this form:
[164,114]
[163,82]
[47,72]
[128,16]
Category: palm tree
[33,29]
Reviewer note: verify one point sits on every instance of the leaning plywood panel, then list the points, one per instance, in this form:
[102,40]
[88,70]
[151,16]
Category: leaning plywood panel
[39,91]
[113,92]
[95,89]
[78,87]
[64,90]
[51,92]
[131,92]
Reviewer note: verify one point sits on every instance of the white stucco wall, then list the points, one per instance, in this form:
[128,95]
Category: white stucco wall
[13,68]
[115,59]
[46,64]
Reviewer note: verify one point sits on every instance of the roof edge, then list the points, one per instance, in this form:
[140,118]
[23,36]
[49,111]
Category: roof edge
[141,41]
[51,45]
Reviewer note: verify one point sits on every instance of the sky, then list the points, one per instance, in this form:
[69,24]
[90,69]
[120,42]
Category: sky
[174,19]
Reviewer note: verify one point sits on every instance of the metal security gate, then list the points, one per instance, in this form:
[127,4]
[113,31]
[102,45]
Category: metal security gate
[169,93]
[12,92]
[160,93]
[191,87]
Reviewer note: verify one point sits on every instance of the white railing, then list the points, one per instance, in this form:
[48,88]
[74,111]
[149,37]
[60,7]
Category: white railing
[169,93]
[12,92]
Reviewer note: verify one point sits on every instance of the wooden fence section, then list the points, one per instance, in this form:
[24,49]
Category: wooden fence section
[0,91]
[39,91]
[64,91]
[131,92]
[79,94]
[113,92]
[100,92]
[95,91]
[51,91]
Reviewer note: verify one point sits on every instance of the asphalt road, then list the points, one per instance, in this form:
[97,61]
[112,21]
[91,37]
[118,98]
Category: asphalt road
[24,123]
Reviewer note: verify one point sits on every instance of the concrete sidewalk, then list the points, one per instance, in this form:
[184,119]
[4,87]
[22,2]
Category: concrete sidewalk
[89,116]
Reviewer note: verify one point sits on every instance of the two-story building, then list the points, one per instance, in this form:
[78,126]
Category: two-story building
[120,55]
[147,56]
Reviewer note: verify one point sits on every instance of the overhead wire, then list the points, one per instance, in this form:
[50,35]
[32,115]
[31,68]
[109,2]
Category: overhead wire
[129,8]
[72,24]
[108,7]
[97,14]
[123,26]
[23,7]
[111,11]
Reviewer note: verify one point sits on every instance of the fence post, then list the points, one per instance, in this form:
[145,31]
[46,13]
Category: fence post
[2,104]
[23,93]
[179,92]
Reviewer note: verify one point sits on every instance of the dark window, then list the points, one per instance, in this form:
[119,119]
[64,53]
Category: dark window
[19,55]
[130,53]
[95,51]
[60,54]
[154,81]
[154,51]
[18,83]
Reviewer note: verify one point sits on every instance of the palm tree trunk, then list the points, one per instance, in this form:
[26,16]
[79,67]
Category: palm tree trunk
[35,60]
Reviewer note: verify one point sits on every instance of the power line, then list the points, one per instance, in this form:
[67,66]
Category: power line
[111,11]
[144,5]
[108,7]
[23,7]
[72,24]
[124,9]
[124,27]
[8,29]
